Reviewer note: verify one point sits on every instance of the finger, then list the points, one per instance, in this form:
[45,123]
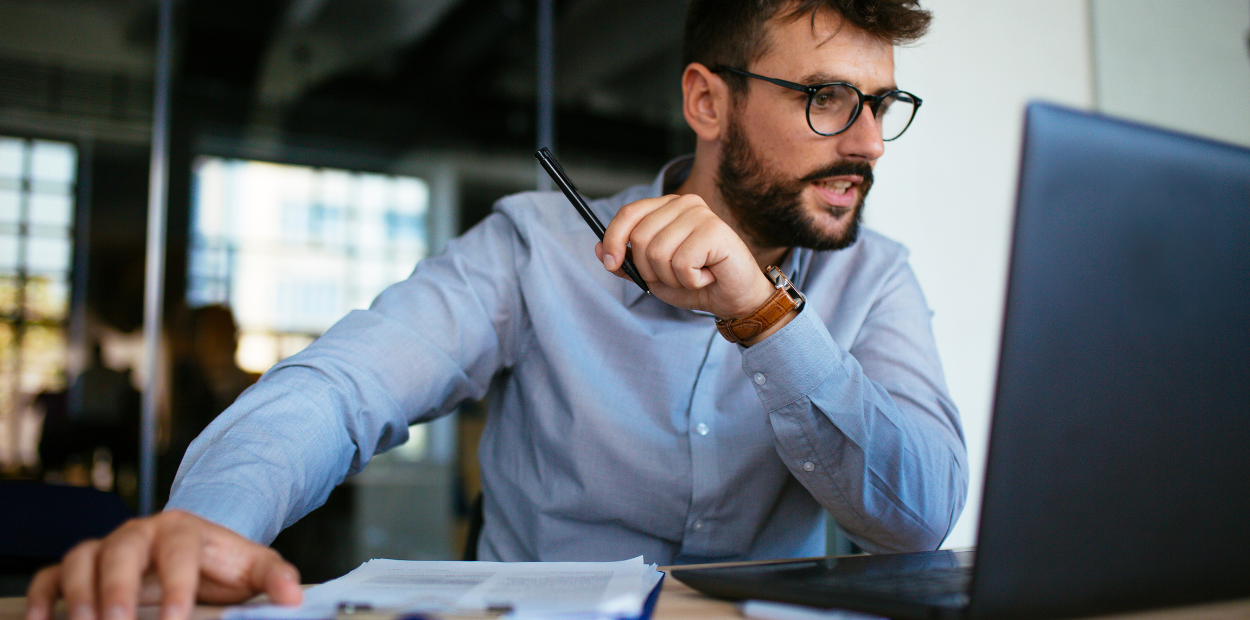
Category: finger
[690,267]
[710,243]
[680,250]
[654,238]
[177,558]
[42,593]
[279,579]
[658,254]
[617,235]
[619,271]
[122,559]
[235,568]
[78,580]
[686,226]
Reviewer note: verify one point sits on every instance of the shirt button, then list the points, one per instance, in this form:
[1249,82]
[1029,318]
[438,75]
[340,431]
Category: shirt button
[698,526]
[760,379]
[701,429]
[808,466]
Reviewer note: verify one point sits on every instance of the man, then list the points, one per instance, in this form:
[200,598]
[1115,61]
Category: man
[621,423]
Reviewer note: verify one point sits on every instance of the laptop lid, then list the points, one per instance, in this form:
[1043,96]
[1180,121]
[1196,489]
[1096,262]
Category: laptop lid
[1118,473]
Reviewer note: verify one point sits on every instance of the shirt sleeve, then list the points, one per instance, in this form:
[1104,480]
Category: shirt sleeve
[320,415]
[869,430]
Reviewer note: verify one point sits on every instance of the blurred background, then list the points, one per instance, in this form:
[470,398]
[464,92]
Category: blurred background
[318,148]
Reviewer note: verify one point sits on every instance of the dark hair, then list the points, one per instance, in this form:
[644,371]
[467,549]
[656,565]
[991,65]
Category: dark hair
[731,33]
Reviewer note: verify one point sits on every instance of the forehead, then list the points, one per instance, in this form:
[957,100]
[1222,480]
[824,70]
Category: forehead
[826,50]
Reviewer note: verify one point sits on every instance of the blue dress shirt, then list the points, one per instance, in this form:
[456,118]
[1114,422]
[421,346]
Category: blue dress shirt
[618,425]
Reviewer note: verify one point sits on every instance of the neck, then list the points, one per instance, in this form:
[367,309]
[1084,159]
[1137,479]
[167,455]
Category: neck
[702,182]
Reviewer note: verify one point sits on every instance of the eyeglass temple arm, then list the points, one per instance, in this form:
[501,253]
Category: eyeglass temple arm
[779,82]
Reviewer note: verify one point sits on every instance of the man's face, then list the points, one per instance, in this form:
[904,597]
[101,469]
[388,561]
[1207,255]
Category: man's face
[783,183]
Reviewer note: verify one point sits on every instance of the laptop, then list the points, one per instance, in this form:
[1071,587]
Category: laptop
[1118,474]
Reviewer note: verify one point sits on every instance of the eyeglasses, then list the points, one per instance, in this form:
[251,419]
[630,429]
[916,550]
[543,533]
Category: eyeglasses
[832,108]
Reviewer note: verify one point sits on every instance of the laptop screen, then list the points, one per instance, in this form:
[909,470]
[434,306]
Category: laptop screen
[1118,473]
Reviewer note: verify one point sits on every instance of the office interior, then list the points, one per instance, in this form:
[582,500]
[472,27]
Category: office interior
[318,148]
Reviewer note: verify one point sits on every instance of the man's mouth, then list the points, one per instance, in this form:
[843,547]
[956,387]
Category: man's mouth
[839,193]
[837,186]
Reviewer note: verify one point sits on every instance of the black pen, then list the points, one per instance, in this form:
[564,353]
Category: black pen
[553,168]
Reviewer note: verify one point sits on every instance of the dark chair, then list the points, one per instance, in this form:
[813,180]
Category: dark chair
[40,522]
[476,518]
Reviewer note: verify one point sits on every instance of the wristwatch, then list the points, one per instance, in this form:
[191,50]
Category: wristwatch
[783,300]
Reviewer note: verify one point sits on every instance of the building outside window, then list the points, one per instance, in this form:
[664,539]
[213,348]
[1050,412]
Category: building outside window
[37,189]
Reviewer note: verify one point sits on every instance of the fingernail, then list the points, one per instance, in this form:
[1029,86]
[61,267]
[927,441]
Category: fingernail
[35,611]
[116,612]
[82,612]
[171,611]
[608,260]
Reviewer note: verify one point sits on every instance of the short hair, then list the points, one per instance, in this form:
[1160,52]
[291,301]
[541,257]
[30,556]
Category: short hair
[731,33]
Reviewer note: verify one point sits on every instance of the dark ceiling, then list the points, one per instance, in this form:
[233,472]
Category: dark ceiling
[392,75]
[410,74]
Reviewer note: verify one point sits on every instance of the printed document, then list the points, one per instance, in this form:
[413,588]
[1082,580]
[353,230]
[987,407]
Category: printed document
[511,590]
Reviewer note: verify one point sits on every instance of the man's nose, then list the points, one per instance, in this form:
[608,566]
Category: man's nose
[862,140]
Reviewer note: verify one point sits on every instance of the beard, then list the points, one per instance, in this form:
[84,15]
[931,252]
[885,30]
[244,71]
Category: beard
[769,209]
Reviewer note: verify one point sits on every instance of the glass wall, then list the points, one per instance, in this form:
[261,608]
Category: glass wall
[291,249]
[37,185]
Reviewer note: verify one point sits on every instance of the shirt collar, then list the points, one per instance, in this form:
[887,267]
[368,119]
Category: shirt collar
[673,174]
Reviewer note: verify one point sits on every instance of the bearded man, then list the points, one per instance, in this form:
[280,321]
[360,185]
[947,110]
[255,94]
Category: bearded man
[782,364]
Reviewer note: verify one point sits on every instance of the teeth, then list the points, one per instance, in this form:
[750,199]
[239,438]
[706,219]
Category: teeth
[839,186]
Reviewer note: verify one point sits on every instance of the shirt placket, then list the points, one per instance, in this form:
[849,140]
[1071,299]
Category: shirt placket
[703,521]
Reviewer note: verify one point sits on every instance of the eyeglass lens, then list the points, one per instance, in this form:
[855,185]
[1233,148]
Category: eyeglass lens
[832,106]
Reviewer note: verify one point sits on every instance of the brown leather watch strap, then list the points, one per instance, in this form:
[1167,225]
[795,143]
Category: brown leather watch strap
[782,302]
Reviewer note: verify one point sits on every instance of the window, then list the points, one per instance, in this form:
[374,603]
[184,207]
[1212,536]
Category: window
[291,249]
[37,184]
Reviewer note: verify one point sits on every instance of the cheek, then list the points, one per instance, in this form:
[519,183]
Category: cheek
[782,144]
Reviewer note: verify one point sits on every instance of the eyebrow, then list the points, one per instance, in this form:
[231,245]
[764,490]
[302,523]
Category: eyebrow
[826,78]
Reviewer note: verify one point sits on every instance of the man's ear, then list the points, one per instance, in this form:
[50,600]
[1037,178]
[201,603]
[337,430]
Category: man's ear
[705,101]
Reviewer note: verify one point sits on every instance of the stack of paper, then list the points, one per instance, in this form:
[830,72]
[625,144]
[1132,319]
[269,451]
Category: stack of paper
[399,590]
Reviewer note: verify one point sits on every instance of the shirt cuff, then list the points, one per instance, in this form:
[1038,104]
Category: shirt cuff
[236,514]
[792,362]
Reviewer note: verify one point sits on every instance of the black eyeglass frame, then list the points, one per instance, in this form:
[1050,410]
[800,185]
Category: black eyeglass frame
[872,100]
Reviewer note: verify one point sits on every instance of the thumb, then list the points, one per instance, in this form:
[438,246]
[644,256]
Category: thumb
[609,261]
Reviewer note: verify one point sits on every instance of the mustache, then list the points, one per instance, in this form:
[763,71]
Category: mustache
[858,168]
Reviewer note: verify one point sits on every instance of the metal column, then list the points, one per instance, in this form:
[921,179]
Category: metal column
[546,86]
[154,278]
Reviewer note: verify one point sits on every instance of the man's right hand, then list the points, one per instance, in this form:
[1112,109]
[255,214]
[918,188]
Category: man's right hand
[173,558]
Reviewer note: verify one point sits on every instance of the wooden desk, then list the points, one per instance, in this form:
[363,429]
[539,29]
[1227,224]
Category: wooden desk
[678,602]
